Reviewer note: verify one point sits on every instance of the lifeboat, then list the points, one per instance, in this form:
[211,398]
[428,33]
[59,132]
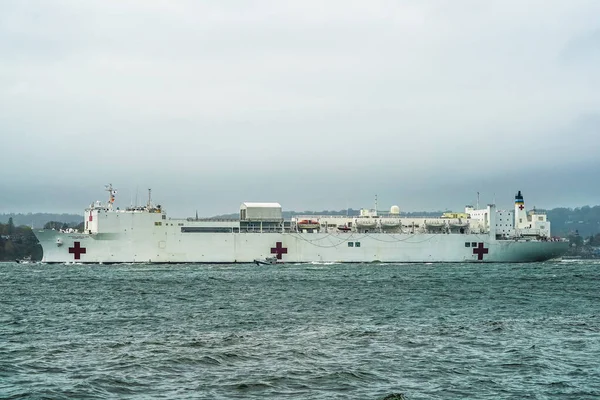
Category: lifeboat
[435,224]
[390,223]
[308,224]
[366,222]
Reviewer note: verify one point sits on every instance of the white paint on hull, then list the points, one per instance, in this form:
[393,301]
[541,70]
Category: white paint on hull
[128,247]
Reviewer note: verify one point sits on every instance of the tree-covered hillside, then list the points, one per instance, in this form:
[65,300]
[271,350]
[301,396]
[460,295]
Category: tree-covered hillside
[17,242]
[584,220]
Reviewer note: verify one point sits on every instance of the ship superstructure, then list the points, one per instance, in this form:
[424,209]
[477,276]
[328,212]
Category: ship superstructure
[146,234]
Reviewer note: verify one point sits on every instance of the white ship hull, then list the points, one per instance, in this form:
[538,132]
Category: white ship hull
[146,235]
[61,247]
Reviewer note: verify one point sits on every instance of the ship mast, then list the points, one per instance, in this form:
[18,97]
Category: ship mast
[111,195]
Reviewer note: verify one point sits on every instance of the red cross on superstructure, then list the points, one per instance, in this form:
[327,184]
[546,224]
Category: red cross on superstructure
[77,250]
[279,250]
[521,206]
[480,251]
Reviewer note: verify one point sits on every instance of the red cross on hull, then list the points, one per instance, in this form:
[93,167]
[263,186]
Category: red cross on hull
[77,250]
[480,251]
[279,250]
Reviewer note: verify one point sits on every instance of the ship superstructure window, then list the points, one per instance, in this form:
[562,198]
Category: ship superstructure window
[164,217]
[473,244]
[467,244]
[350,244]
[158,223]
[356,244]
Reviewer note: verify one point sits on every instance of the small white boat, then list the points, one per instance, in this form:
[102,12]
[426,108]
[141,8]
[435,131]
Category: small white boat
[344,228]
[266,261]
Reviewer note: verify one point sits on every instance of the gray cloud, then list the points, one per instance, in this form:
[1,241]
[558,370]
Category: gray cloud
[583,48]
[318,104]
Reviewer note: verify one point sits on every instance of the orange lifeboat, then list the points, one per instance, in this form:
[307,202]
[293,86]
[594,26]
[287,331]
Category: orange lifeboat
[308,224]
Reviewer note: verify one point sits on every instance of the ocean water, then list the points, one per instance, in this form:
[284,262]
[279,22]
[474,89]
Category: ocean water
[437,331]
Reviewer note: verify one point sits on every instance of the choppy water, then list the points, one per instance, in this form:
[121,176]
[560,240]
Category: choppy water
[442,331]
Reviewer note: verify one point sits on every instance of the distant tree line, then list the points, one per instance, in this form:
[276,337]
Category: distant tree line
[59,225]
[37,220]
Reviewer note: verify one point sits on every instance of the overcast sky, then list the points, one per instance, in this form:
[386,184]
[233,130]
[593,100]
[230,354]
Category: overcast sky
[314,104]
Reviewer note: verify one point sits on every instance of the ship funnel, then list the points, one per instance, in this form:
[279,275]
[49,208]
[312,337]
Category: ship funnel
[519,196]
[520,212]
